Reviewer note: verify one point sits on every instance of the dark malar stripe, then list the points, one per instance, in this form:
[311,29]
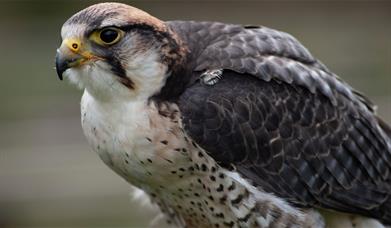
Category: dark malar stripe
[164,37]
[172,54]
[118,70]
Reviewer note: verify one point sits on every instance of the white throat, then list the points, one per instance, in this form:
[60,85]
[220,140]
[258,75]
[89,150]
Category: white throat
[112,126]
[146,72]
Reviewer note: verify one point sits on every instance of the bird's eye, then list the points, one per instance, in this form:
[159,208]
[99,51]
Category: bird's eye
[107,36]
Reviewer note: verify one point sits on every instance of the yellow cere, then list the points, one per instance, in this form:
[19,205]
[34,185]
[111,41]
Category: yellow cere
[73,44]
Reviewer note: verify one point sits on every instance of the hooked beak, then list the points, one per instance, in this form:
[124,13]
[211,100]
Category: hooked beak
[71,54]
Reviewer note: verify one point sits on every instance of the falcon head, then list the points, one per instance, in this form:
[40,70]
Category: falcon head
[115,50]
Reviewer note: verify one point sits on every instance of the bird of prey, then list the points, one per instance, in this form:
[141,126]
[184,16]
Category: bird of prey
[225,125]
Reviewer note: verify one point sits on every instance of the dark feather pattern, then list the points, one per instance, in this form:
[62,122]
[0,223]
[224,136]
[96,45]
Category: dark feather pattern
[284,120]
[320,161]
[262,52]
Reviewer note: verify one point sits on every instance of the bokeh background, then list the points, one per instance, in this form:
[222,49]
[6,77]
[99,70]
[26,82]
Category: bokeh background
[48,174]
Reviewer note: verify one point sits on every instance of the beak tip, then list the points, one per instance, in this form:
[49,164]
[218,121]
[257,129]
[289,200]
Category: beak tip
[59,73]
[61,66]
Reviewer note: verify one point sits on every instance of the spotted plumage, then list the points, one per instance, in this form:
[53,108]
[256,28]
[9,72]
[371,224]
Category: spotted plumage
[226,125]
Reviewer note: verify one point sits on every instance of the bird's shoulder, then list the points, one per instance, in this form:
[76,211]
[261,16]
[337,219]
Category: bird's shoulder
[264,53]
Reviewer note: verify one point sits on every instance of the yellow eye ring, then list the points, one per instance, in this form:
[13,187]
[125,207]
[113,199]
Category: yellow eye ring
[107,36]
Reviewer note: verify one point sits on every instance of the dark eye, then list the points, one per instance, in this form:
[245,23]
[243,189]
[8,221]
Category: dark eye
[109,36]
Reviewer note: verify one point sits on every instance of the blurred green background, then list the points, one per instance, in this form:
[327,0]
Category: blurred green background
[48,174]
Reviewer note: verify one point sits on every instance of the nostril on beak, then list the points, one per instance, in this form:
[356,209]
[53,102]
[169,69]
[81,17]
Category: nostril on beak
[75,47]
[73,44]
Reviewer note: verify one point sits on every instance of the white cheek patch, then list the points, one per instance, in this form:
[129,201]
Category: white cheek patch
[147,73]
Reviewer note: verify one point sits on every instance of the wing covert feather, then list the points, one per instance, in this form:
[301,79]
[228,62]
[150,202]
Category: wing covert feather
[292,142]
[284,120]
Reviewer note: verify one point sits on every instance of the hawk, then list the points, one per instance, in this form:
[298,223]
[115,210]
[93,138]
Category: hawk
[225,125]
